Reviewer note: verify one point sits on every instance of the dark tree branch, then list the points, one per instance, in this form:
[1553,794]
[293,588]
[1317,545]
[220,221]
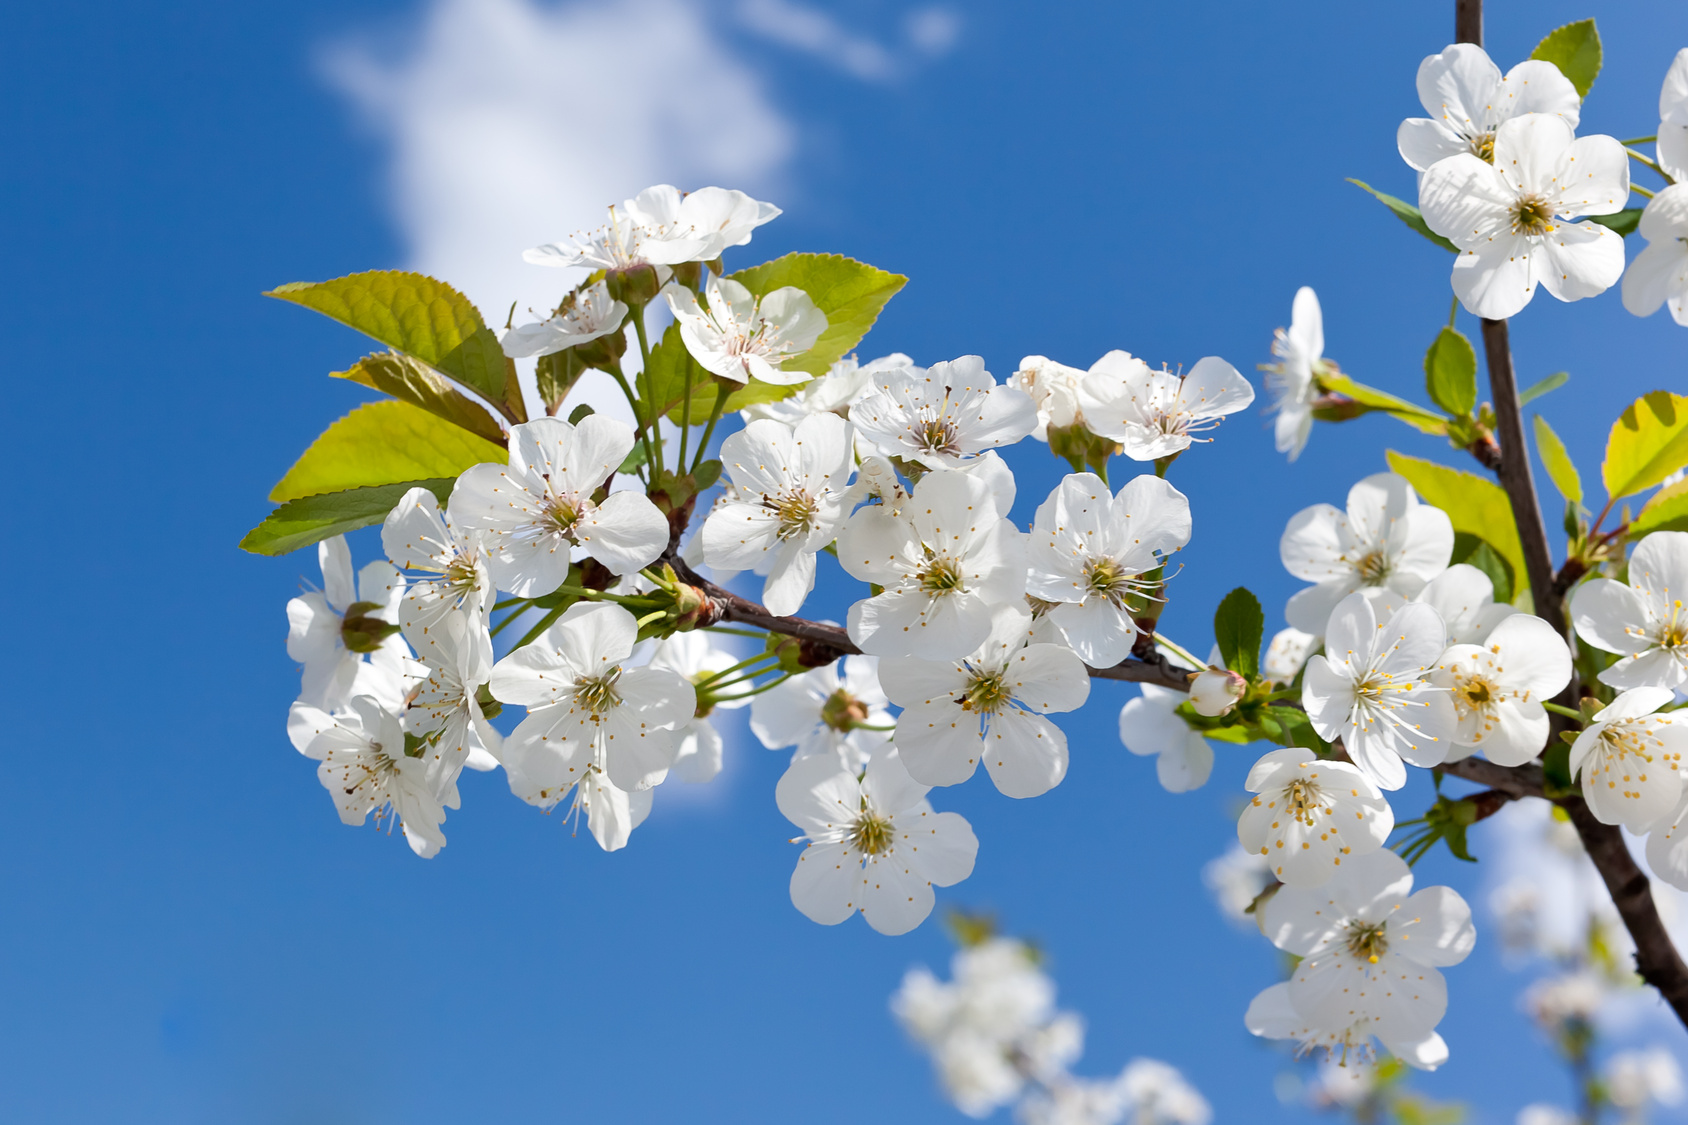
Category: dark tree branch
[1468,21]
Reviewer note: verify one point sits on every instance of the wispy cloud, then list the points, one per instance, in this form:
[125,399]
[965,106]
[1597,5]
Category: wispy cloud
[929,31]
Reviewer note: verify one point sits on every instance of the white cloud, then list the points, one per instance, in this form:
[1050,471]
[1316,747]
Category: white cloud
[511,123]
[930,31]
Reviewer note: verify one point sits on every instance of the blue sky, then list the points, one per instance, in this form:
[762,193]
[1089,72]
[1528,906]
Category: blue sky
[189,934]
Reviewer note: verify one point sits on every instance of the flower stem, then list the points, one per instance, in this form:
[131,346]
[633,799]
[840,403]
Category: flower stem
[1568,712]
[709,430]
[1638,141]
[757,659]
[633,401]
[1179,650]
[1641,191]
[654,455]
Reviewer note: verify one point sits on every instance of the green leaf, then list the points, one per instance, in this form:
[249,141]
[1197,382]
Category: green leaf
[584,410]
[1408,214]
[299,523]
[1649,441]
[1624,222]
[1297,730]
[416,383]
[556,374]
[850,293]
[1575,50]
[1450,372]
[1371,398]
[1665,510]
[638,456]
[1559,468]
[1473,504]
[1552,383]
[1238,625]
[416,315]
[384,443]
[1473,551]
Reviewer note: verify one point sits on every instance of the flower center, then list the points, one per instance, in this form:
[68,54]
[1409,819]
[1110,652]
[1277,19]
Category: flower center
[1367,940]
[796,511]
[1483,147]
[1302,799]
[461,574]
[562,515]
[597,693]
[871,834]
[1373,568]
[987,693]
[1674,631]
[936,434]
[1532,214]
[1476,692]
[941,576]
[843,712]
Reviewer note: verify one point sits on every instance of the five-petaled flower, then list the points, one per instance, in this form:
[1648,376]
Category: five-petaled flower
[1311,817]
[1293,380]
[1467,99]
[330,630]
[741,336]
[1659,274]
[1497,689]
[1629,759]
[944,416]
[1149,725]
[584,316]
[1155,414]
[417,537]
[837,710]
[1643,620]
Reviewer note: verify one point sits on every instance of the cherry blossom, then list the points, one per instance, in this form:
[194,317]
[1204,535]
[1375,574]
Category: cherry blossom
[1089,551]
[1467,99]
[1216,691]
[1149,726]
[1642,620]
[445,709]
[1659,274]
[1368,688]
[1153,414]
[1673,119]
[791,484]
[1386,538]
[539,506]
[874,844]
[586,709]
[662,227]
[946,563]
[1293,381]
[992,704]
[330,630]
[1629,759]
[1370,953]
[1311,816]
[943,416]
[836,392]
[695,658]
[417,537]
[1286,652]
[1498,687]
[584,316]
[832,710]
[1514,220]
[1465,597]
[741,336]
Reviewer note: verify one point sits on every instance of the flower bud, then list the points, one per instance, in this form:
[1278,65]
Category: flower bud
[635,286]
[688,274]
[360,632]
[1216,691]
[604,352]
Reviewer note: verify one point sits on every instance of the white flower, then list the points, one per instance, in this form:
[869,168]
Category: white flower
[943,416]
[662,227]
[1465,597]
[1311,816]
[833,393]
[1286,653]
[1076,1101]
[1634,1078]
[444,710]
[875,845]
[1157,1094]
[741,336]
[1644,621]
[1152,414]
[537,507]
[876,479]
[417,537]
[1659,274]
[584,317]
[1497,689]
[586,709]
[1236,880]
[1293,382]
[1513,220]
[365,769]
[825,711]
[1467,99]
[993,704]
[1215,690]
[694,657]
[946,564]
[317,629]
[1369,959]
[791,485]
[1149,725]
[1554,1001]
[1386,538]
[1089,550]
[1630,759]
[1368,689]
[1053,389]
[1673,119]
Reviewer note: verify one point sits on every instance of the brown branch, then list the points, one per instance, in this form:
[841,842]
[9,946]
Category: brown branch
[1517,781]
[1468,21]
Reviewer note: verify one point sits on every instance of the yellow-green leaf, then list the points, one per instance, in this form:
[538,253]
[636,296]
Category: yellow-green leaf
[1559,467]
[414,314]
[1450,372]
[1371,398]
[1407,213]
[1575,50]
[415,382]
[383,443]
[1666,510]
[299,523]
[1649,441]
[850,293]
[1474,505]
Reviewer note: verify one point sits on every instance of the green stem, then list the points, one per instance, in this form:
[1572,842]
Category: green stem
[633,401]
[757,659]
[654,455]
[508,602]
[1638,141]
[1641,191]
[1453,311]
[685,414]
[774,683]
[1180,650]
[1651,163]
[709,430]
[544,623]
[1568,712]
